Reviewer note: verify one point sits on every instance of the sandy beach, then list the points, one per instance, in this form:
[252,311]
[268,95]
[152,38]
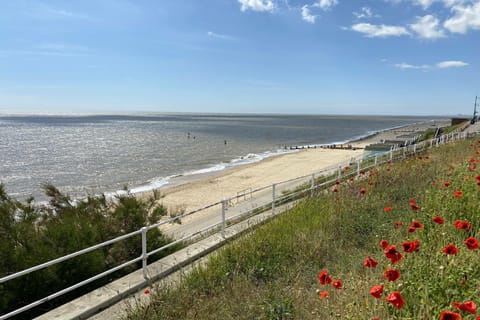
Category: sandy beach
[203,191]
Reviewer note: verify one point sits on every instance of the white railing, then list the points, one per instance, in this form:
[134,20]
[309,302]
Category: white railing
[247,203]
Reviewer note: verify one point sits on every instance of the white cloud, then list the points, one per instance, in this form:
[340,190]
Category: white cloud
[465,18]
[404,65]
[451,64]
[307,16]
[257,5]
[219,36]
[439,65]
[325,4]
[424,3]
[365,13]
[427,27]
[382,31]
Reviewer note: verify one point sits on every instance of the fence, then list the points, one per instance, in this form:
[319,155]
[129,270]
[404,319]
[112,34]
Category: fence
[231,210]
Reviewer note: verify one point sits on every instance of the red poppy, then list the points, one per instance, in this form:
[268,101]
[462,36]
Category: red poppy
[323,294]
[324,277]
[387,209]
[391,274]
[462,225]
[363,191]
[346,168]
[392,254]
[468,306]
[377,291]
[146,291]
[446,184]
[337,284]
[415,207]
[477,177]
[337,182]
[472,243]
[397,224]
[362,172]
[370,262]
[370,183]
[388,169]
[384,244]
[411,246]
[411,229]
[450,249]
[457,193]
[416,224]
[396,299]
[472,160]
[351,179]
[434,183]
[451,167]
[412,201]
[335,190]
[438,220]
[447,315]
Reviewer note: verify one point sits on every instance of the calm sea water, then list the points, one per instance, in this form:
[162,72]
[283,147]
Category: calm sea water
[102,153]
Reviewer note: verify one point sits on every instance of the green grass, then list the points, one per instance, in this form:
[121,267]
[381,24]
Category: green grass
[271,273]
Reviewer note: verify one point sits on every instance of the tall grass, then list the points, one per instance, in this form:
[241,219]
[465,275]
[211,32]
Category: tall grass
[271,273]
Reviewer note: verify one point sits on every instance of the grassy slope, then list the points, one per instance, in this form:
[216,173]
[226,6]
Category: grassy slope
[272,272]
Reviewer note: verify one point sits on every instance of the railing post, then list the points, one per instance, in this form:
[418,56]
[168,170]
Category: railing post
[273,198]
[339,172]
[224,208]
[144,253]
[391,154]
[358,168]
[415,149]
[376,160]
[313,184]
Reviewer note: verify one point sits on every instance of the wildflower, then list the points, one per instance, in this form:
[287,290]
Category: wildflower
[337,284]
[392,254]
[391,274]
[370,262]
[457,193]
[396,299]
[472,243]
[411,229]
[462,225]
[468,306]
[387,209]
[384,244]
[411,246]
[346,168]
[447,315]
[370,183]
[335,190]
[434,183]
[450,249]
[412,201]
[323,294]
[415,207]
[477,177]
[446,184]
[146,291]
[416,224]
[337,182]
[472,160]
[397,224]
[377,291]
[438,220]
[324,277]
[363,191]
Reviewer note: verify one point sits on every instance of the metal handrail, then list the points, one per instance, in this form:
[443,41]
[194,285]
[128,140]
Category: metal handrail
[145,254]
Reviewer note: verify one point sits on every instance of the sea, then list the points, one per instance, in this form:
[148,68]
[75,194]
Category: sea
[93,154]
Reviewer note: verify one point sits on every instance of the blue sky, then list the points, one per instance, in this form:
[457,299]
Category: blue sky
[267,56]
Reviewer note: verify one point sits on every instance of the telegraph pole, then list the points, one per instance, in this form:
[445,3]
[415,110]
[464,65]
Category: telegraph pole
[474,119]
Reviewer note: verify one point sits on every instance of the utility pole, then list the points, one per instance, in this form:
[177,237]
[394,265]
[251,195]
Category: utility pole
[474,119]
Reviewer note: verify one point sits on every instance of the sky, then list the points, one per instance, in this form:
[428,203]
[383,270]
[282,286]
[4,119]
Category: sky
[405,57]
